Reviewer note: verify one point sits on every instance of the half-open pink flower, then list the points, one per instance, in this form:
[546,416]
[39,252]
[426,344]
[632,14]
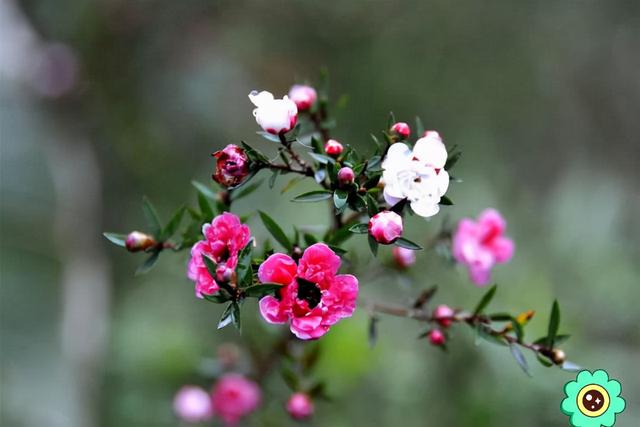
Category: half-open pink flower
[481,244]
[232,166]
[385,227]
[224,238]
[234,397]
[313,297]
[304,96]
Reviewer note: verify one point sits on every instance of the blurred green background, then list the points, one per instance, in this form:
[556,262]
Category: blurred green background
[104,101]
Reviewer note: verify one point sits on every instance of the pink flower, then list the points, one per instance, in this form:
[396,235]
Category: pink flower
[232,166]
[234,397]
[275,116]
[404,257]
[192,404]
[224,238]
[443,314]
[304,96]
[480,245]
[402,129]
[300,406]
[385,227]
[333,148]
[313,297]
[346,176]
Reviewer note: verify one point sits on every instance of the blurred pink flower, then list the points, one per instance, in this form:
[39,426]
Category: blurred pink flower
[402,129]
[232,166]
[403,257]
[304,96]
[275,116]
[234,397]
[443,314]
[300,406]
[192,404]
[224,238]
[481,244]
[436,337]
[313,297]
[385,227]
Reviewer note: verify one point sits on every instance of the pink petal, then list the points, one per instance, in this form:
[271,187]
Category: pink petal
[278,268]
[270,309]
[503,249]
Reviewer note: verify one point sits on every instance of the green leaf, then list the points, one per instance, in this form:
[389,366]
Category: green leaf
[152,216]
[340,199]
[486,334]
[338,250]
[244,272]
[373,331]
[272,179]
[309,239]
[246,191]
[445,201]
[544,361]
[359,228]
[227,316]
[518,329]
[313,196]
[391,120]
[559,339]
[254,154]
[173,224]
[218,298]
[407,244]
[373,163]
[210,264]
[291,379]
[425,296]
[236,316]
[292,183]
[373,245]
[452,160]
[116,239]
[148,264]
[571,367]
[262,290]
[372,205]
[554,324]
[205,208]
[501,317]
[321,158]
[520,359]
[208,192]
[269,136]
[486,299]
[275,230]
[419,126]
[317,145]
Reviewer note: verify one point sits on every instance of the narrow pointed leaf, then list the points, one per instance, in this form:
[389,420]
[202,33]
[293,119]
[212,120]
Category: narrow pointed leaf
[520,359]
[407,244]
[205,207]
[313,196]
[262,290]
[173,224]
[116,239]
[359,228]
[445,201]
[486,299]
[151,216]
[373,245]
[246,190]
[227,316]
[148,263]
[340,199]
[275,230]
[554,324]
[204,189]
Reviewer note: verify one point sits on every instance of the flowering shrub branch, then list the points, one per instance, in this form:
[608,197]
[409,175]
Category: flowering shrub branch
[302,286]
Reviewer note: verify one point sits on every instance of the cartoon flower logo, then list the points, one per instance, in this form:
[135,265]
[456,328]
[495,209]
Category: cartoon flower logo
[592,400]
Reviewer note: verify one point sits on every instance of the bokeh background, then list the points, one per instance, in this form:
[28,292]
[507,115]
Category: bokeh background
[104,101]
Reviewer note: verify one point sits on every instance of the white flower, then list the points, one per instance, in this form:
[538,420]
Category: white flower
[274,115]
[417,175]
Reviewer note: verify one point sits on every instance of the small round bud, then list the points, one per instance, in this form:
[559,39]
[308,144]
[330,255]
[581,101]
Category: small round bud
[436,337]
[558,356]
[403,257]
[401,129]
[333,148]
[192,404]
[304,96]
[385,227]
[232,166]
[443,314]
[346,176]
[137,241]
[300,406]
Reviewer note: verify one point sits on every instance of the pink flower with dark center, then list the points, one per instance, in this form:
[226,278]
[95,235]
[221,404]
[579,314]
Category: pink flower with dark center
[234,397]
[481,244]
[403,257]
[304,96]
[224,238]
[313,297]
[232,166]
[192,404]
[300,406]
[385,227]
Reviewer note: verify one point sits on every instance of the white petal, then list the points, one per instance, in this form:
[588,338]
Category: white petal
[260,98]
[431,151]
[390,199]
[397,156]
[442,180]
[393,188]
[425,207]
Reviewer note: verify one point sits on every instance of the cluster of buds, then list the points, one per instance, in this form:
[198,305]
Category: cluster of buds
[443,315]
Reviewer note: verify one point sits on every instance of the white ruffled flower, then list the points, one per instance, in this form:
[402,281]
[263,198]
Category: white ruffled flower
[274,115]
[417,175]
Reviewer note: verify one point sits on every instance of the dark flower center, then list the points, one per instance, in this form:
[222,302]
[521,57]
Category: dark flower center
[309,292]
[593,401]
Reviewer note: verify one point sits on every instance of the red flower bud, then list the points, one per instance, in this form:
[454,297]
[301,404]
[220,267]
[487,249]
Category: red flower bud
[232,166]
[402,129]
[137,241]
[443,314]
[300,406]
[333,148]
[304,96]
[436,337]
[346,176]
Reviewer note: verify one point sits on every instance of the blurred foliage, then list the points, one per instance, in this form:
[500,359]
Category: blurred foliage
[541,97]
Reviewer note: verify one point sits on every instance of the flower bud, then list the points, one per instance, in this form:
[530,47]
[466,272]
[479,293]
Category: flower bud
[385,227]
[232,166]
[401,129]
[192,404]
[137,241]
[436,337]
[558,356]
[275,116]
[346,176]
[333,148]
[304,96]
[300,406]
[404,257]
[443,314]
[432,134]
